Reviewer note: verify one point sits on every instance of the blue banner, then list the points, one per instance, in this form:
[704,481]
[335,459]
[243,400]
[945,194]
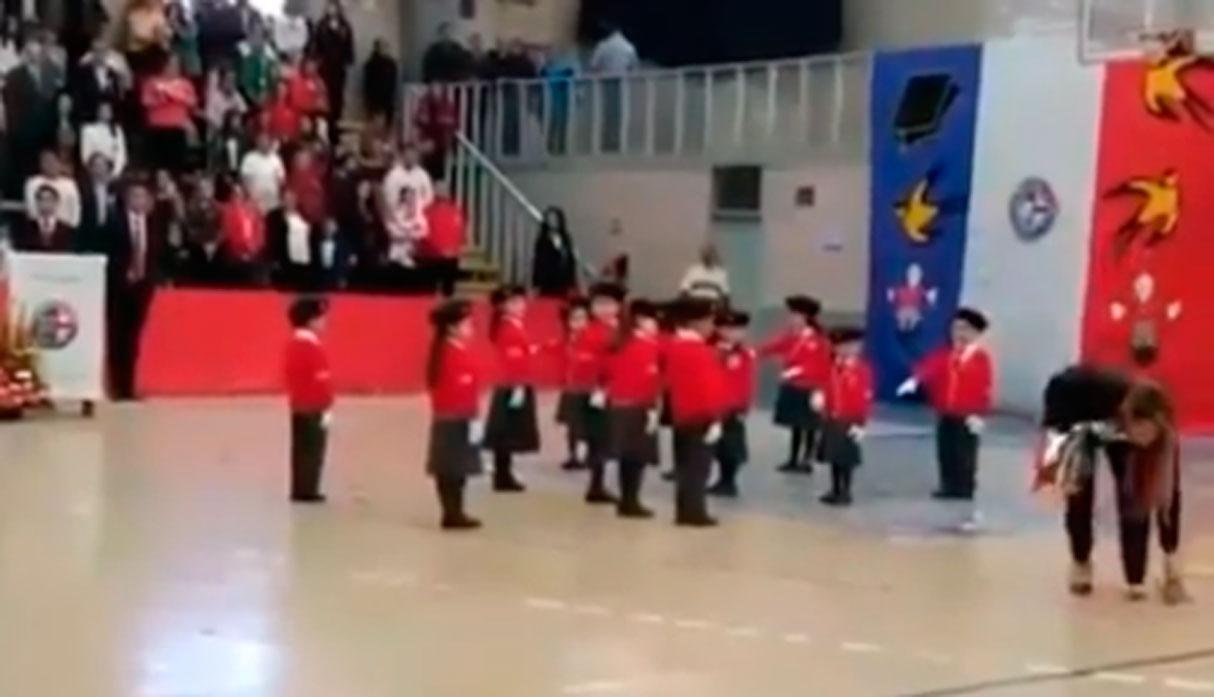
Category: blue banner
[924,109]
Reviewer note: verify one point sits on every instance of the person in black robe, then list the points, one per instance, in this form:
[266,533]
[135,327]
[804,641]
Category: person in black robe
[554,264]
[380,75]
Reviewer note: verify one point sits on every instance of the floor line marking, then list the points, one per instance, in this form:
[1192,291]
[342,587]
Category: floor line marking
[861,647]
[745,632]
[935,657]
[594,610]
[545,604]
[647,618]
[796,638]
[1188,685]
[693,624]
[1120,678]
[594,687]
[1046,669]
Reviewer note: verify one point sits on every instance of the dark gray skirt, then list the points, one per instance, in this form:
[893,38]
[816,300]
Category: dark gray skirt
[733,447]
[793,408]
[510,429]
[839,449]
[630,439]
[449,453]
[569,410]
[596,427]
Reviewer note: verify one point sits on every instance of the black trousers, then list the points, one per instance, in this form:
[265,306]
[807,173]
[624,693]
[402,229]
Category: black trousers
[957,455]
[692,465]
[126,313]
[309,438]
[1134,526]
[450,490]
[632,478]
[444,274]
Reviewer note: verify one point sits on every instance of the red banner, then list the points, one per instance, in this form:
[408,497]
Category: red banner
[1152,248]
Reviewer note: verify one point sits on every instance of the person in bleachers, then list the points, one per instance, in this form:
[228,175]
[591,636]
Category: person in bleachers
[184,43]
[258,68]
[202,261]
[146,37]
[169,101]
[407,174]
[380,75]
[102,76]
[558,71]
[263,174]
[291,31]
[67,137]
[44,231]
[436,123]
[306,178]
[405,225]
[439,251]
[292,245]
[168,207]
[279,115]
[446,60]
[707,278]
[53,173]
[307,92]
[10,44]
[221,28]
[223,97]
[29,107]
[98,205]
[333,47]
[243,236]
[334,257]
[613,58]
[104,136]
[554,263]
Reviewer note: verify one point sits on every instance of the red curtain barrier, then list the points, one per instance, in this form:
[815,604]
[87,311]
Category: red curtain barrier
[213,342]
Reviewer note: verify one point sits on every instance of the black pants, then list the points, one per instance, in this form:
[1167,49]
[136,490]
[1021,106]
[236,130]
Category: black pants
[692,466]
[444,274]
[632,478]
[126,313]
[166,148]
[309,438]
[957,454]
[451,496]
[335,84]
[1134,527]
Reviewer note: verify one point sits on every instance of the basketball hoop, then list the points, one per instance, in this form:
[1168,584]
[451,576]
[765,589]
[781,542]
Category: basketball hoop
[1165,43]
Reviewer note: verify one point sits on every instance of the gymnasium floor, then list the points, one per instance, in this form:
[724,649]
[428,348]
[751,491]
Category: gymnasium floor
[150,552]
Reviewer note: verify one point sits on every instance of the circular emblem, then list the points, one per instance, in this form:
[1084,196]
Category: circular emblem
[54,325]
[1033,209]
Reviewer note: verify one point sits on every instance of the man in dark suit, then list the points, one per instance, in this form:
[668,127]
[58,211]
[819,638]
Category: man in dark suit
[98,206]
[29,105]
[44,232]
[135,252]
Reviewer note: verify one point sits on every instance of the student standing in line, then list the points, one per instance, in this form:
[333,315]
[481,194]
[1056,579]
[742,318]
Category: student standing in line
[698,402]
[310,390]
[579,383]
[633,390]
[959,379]
[805,355]
[595,342]
[738,359]
[512,428]
[454,378]
[849,400]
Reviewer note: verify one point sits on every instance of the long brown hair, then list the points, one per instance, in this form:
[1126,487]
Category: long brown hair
[1154,467]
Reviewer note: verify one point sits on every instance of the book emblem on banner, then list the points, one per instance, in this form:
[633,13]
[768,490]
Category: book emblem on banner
[54,325]
[1033,209]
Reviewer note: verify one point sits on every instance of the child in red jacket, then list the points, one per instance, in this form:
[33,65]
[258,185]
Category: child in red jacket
[634,388]
[697,405]
[595,345]
[738,360]
[849,400]
[454,379]
[959,381]
[805,355]
[579,382]
[512,428]
[310,390]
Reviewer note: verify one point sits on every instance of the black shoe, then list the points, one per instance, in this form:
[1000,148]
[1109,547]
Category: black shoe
[788,467]
[308,498]
[729,491]
[844,499]
[832,499]
[600,496]
[574,466]
[509,486]
[635,511]
[668,476]
[806,468]
[461,523]
[696,522]
[951,496]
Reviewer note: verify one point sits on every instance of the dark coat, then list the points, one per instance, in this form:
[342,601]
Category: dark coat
[554,267]
[380,75]
[29,238]
[92,236]
[333,45]
[120,251]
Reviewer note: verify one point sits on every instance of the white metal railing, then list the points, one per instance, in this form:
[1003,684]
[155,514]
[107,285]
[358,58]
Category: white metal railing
[780,108]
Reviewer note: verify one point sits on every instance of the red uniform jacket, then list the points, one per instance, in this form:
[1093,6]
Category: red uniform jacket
[697,381]
[307,93]
[739,363]
[515,353]
[849,394]
[456,394]
[591,349]
[805,355]
[306,370]
[580,364]
[281,119]
[959,383]
[244,230]
[635,373]
[446,237]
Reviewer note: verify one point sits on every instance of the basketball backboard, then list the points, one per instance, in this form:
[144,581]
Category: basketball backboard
[1118,29]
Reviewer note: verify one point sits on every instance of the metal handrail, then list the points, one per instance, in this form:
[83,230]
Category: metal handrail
[500,177]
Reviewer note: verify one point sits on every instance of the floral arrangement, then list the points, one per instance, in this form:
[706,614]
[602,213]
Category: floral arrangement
[21,383]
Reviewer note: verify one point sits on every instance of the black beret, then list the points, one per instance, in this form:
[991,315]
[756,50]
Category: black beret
[306,308]
[506,292]
[846,335]
[733,318]
[643,308]
[606,289]
[804,305]
[974,318]
[450,312]
[692,309]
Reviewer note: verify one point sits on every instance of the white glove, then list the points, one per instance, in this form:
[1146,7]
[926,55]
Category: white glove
[790,374]
[975,424]
[476,432]
[856,433]
[713,435]
[1053,447]
[518,397]
[326,420]
[908,388]
[818,401]
[598,399]
[652,421]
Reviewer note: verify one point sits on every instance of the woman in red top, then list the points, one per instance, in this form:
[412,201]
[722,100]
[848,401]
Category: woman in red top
[512,428]
[634,386]
[595,346]
[805,355]
[849,399]
[308,93]
[310,390]
[738,360]
[453,377]
[698,402]
[578,383]
[169,103]
[243,236]
[306,177]
[280,118]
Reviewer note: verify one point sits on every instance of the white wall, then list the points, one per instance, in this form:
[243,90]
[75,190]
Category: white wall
[1038,116]
[873,24]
